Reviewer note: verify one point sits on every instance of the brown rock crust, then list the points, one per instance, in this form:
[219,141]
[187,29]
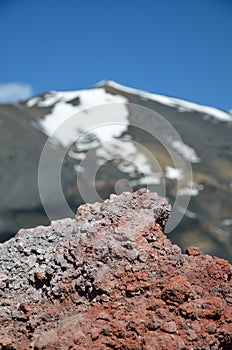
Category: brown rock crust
[112,280]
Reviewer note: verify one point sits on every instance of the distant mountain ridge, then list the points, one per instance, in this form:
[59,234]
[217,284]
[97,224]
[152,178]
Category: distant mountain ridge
[205,131]
[184,105]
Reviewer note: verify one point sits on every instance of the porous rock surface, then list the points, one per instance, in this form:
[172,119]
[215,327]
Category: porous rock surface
[110,279]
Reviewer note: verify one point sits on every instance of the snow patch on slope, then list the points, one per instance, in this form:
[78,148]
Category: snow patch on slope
[95,123]
[66,121]
[192,190]
[187,152]
[131,160]
[33,101]
[173,173]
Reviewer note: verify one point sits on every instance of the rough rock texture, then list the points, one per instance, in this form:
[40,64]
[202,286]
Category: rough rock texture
[111,280]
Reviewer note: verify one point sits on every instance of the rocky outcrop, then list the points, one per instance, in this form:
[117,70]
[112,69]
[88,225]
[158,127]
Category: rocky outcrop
[110,279]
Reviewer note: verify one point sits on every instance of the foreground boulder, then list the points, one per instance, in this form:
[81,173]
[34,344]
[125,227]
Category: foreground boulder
[112,280]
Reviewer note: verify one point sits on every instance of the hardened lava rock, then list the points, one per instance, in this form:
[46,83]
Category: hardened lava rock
[110,279]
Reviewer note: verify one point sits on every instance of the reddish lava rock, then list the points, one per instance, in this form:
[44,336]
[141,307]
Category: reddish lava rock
[110,279]
[194,251]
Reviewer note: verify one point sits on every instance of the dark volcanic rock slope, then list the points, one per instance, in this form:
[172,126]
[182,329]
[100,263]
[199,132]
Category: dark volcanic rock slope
[21,144]
[205,131]
[110,279]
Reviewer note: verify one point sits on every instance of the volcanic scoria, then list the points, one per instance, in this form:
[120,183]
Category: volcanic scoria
[110,279]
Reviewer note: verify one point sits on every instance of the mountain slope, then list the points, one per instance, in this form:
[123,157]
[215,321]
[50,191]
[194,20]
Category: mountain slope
[105,133]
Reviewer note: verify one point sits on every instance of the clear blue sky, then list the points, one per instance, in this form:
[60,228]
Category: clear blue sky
[181,48]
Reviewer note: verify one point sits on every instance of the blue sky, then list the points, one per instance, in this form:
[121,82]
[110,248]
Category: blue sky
[181,48]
